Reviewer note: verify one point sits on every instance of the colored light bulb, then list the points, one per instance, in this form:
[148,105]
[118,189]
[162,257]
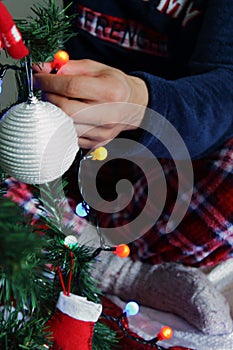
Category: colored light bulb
[82,210]
[131,308]
[122,250]
[70,241]
[0,86]
[165,333]
[60,58]
[99,153]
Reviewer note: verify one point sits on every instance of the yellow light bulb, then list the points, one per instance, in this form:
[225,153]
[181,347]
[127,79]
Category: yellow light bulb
[99,153]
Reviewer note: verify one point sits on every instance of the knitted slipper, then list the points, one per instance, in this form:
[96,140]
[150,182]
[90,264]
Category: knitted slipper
[170,287]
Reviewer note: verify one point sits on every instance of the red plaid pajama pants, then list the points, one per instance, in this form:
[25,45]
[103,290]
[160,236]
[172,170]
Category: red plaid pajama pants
[205,235]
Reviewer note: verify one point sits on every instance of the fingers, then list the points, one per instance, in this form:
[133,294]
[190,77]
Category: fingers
[89,144]
[90,92]
[72,67]
[84,79]
[97,133]
[107,115]
[89,132]
[105,88]
[92,137]
[70,107]
[82,67]
[81,87]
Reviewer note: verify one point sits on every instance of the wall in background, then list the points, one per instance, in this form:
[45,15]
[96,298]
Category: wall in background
[18,9]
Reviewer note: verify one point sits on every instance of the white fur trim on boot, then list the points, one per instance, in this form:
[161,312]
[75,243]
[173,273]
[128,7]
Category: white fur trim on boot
[79,307]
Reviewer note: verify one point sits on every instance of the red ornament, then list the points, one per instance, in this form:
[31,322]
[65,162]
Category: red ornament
[122,250]
[10,37]
[72,325]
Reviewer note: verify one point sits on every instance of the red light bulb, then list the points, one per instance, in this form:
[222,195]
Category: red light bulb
[122,250]
[165,333]
[60,58]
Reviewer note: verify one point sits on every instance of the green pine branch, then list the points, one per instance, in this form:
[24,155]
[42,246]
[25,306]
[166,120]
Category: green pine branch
[59,255]
[28,286]
[46,31]
[102,331]
[24,288]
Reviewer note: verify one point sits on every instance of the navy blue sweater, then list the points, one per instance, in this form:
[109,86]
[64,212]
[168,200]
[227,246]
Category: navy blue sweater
[182,49]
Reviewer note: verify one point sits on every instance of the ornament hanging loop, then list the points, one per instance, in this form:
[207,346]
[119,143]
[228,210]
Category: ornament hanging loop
[28,67]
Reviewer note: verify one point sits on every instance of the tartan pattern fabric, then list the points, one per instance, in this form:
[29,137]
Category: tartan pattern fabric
[203,238]
[205,235]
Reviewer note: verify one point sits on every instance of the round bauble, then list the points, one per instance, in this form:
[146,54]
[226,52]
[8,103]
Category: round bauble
[38,142]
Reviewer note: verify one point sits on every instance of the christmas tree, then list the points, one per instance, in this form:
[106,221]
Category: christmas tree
[34,252]
[48,298]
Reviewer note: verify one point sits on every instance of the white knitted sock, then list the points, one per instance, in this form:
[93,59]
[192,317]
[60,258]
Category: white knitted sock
[169,287]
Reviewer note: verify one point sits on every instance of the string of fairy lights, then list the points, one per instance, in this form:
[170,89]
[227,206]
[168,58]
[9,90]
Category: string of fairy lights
[131,308]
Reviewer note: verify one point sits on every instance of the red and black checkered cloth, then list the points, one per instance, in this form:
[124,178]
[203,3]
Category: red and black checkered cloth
[205,235]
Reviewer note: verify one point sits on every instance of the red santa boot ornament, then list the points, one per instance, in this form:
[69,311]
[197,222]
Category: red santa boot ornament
[72,325]
[10,37]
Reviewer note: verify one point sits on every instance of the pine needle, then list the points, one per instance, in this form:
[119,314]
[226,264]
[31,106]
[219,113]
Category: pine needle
[46,31]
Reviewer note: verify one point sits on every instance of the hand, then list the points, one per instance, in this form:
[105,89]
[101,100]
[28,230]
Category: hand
[89,93]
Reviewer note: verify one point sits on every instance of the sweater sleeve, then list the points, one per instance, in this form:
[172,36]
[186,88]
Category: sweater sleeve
[199,106]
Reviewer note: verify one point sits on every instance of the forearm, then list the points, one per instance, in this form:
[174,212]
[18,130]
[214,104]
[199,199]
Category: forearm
[199,107]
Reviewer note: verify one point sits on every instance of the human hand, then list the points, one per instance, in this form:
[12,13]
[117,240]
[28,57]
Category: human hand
[80,85]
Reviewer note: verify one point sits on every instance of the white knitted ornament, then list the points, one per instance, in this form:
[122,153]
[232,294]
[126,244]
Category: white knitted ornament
[38,142]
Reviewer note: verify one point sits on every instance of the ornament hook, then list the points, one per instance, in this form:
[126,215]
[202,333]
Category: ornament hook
[28,67]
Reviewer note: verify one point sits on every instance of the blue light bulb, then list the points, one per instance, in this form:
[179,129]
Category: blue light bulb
[82,210]
[131,308]
[0,86]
